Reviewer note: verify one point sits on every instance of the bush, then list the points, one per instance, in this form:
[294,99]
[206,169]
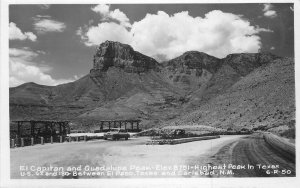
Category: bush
[290,133]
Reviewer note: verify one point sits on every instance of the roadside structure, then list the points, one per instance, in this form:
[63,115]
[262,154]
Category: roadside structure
[24,131]
[133,124]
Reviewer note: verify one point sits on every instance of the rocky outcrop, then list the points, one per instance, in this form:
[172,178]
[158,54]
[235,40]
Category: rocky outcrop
[244,63]
[194,60]
[190,71]
[115,54]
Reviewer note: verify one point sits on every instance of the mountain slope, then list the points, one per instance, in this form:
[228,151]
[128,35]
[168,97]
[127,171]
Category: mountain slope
[120,81]
[190,70]
[264,99]
[241,90]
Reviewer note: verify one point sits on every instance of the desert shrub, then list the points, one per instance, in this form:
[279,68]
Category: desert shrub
[183,99]
[185,79]
[176,78]
[188,71]
[244,129]
[260,128]
[198,72]
[290,133]
[172,134]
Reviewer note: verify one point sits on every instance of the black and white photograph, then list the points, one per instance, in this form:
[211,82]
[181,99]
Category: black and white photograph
[148,91]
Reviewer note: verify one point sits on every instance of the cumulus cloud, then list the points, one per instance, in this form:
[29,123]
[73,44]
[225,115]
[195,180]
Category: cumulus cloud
[217,33]
[95,35]
[44,6]
[107,14]
[268,11]
[15,33]
[23,68]
[44,24]
[24,54]
[102,9]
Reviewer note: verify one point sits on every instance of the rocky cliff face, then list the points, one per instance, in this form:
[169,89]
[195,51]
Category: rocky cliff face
[194,60]
[115,54]
[244,63]
[191,70]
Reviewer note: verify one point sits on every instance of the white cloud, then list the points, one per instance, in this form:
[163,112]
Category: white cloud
[270,14]
[116,14]
[24,54]
[102,9]
[42,16]
[95,35]
[218,34]
[44,6]
[268,11]
[44,24]
[267,6]
[263,29]
[272,48]
[15,33]
[23,68]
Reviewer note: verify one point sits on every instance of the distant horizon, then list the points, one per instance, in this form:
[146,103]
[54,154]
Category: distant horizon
[54,44]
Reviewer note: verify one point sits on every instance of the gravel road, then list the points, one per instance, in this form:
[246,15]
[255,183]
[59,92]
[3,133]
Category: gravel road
[234,149]
[254,150]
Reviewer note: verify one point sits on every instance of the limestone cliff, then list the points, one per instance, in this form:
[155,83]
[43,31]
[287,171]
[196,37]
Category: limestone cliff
[115,54]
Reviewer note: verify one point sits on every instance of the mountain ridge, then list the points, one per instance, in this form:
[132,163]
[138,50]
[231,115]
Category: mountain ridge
[125,84]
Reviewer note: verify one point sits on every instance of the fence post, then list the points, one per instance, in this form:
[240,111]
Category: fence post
[17,141]
[32,141]
[85,138]
[70,139]
[51,139]
[22,142]
[13,143]
[42,140]
[77,138]
[60,139]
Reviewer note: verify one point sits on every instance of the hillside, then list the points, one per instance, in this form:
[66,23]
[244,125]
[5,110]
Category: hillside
[248,90]
[122,84]
[263,100]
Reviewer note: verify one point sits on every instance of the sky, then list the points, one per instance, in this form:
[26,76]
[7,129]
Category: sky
[55,44]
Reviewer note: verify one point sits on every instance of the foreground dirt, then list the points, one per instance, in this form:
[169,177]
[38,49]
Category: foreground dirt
[233,149]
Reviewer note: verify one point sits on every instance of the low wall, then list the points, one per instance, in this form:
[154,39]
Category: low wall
[180,140]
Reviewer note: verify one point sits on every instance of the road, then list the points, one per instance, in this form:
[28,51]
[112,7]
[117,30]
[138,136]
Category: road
[254,150]
[233,149]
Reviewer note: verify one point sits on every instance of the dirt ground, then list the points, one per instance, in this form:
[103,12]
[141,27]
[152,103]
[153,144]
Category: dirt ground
[135,155]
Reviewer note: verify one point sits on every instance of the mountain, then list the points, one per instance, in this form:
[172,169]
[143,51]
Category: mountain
[241,90]
[263,99]
[115,54]
[191,70]
[122,84]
